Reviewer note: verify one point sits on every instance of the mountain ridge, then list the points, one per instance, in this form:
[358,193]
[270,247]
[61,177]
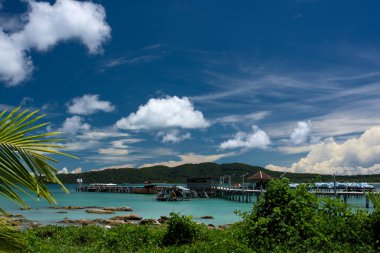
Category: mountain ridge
[179,174]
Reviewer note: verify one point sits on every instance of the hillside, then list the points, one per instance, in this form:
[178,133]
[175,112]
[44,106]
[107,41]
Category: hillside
[180,173]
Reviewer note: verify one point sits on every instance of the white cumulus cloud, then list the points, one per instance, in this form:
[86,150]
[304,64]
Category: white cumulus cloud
[15,66]
[355,156]
[162,113]
[44,26]
[66,171]
[63,171]
[77,170]
[88,104]
[301,133]
[255,139]
[74,124]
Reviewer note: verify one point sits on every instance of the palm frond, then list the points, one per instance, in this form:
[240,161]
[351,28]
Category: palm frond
[375,199]
[24,160]
[10,237]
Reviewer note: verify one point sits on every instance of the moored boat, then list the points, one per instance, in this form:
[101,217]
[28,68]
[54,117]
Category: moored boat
[176,193]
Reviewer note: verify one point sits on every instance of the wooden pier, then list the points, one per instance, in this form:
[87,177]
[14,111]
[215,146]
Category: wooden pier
[114,188]
[236,194]
[229,193]
[248,195]
[104,188]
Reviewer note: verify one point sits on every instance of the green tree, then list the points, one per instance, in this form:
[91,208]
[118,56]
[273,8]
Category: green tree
[25,164]
[181,230]
[375,199]
[283,216]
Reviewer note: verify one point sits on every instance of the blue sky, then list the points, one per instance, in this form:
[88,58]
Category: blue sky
[290,85]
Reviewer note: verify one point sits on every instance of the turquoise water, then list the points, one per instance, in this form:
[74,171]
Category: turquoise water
[143,205]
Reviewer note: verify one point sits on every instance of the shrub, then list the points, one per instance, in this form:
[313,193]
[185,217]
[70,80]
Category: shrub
[180,230]
[131,238]
[375,228]
[282,216]
[286,219]
[338,223]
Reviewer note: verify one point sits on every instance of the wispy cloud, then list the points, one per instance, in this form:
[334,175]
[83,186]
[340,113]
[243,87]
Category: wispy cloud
[144,55]
[130,61]
[123,143]
[190,158]
[238,118]
[134,156]
[295,150]
[112,151]
[100,134]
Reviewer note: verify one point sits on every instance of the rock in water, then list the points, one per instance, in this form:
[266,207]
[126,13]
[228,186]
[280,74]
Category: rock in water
[119,209]
[99,211]
[207,217]
[149,222]
[132,217]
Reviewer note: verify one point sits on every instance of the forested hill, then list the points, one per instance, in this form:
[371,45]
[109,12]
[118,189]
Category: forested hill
[179,174]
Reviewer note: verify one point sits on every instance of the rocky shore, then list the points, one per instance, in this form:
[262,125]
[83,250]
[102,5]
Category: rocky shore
[131,218]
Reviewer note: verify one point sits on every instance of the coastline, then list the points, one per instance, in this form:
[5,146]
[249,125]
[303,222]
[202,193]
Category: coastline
[120,216]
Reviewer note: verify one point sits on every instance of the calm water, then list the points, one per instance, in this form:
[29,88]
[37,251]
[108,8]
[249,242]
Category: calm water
[144,205]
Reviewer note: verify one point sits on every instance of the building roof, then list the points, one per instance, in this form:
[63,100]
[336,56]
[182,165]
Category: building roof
[260,176]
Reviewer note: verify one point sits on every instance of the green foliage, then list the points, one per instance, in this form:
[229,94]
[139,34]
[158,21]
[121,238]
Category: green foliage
[180,230]
[281,216]
[62,239]
[131,238]
[285,219]
[11,239]
[375,216]
[125,238]
[338,223]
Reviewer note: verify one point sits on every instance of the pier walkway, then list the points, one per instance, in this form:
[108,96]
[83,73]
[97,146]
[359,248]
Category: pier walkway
[104,188]
[249,195]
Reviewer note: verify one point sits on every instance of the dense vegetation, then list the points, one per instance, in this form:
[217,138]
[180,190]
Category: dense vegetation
[180,173]
[283,220]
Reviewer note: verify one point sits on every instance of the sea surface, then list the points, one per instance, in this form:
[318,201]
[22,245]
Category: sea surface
[143,205]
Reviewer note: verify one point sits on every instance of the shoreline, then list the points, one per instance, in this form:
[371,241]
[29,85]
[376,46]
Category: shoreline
[120,215]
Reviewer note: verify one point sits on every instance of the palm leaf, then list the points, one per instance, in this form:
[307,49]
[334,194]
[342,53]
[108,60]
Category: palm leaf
[24,160]
[375,199]
[10,237]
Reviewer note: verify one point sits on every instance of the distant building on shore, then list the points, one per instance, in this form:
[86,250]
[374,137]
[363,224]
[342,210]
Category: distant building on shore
[260,179]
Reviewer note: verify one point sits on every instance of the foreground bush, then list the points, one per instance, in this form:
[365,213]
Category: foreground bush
[181,230]
[294,219]
[126,238]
